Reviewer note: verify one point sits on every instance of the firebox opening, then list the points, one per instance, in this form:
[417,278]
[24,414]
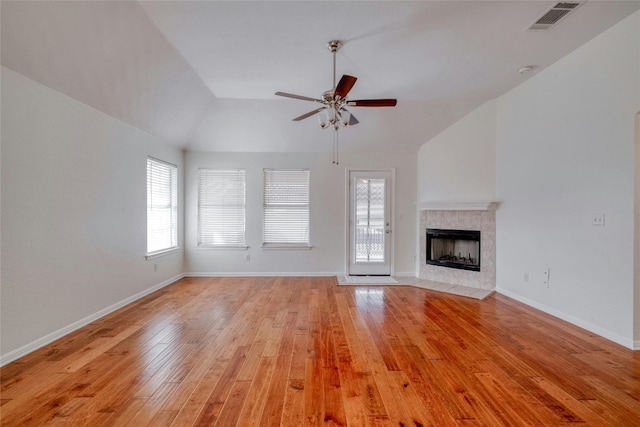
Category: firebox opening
[454,248]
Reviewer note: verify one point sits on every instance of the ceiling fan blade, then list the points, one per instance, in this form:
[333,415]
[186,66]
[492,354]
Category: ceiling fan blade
[344,85]
[373,103]
[304,98]
[352,118]
[309,114]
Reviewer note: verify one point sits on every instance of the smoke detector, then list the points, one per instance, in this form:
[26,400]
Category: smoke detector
[526,69]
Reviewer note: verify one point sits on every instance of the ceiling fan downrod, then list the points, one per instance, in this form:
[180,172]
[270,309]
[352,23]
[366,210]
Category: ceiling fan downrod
[334,46]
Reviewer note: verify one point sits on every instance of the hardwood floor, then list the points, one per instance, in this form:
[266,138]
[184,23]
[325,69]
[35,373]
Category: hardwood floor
[297,351]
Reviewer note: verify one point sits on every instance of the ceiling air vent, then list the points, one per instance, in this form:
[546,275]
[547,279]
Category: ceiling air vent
[552,16]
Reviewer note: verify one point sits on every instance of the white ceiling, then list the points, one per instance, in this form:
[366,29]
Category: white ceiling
[202,74]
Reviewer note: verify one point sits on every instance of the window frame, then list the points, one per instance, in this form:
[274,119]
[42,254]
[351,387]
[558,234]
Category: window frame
[173,208]
[199,230]
[283,245]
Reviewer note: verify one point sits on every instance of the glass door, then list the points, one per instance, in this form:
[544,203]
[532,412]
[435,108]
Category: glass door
[369,223]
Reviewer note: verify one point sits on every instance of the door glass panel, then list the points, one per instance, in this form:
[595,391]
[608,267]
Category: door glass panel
[370,220]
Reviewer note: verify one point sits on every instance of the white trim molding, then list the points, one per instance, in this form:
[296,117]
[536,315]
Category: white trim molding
[477,205]
[263,274]
[405,274]
[47,339]
[284,247]
[163,252]
[221,248]
[605,333]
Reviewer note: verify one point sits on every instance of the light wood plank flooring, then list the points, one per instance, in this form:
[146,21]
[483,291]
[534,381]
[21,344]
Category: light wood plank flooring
[298,351]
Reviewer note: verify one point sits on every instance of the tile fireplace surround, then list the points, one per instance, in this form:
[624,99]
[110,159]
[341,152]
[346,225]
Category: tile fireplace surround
[461,216]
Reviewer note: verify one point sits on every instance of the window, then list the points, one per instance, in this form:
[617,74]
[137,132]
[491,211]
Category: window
[286,208]
[162,206]
[221,211]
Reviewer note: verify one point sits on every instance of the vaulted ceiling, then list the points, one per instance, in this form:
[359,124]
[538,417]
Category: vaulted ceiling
[202,75]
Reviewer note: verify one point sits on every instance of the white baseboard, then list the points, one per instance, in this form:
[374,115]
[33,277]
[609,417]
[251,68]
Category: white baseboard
[405,274]
[41,342]
[605,333]
[285,274]
[261,274]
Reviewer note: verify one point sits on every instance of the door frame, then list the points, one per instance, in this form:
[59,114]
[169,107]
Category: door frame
[392,201]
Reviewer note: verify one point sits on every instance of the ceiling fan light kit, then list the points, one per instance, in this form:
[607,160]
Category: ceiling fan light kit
[333,112]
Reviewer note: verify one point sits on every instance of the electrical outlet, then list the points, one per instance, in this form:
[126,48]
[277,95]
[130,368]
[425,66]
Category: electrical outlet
[526,277]
[547,276]
[155,267]
[247,257]
[598,219]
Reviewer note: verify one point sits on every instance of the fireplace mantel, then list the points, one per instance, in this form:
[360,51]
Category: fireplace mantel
[476,205]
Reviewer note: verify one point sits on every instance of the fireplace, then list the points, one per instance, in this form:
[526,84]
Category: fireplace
[453,248]
[460,216]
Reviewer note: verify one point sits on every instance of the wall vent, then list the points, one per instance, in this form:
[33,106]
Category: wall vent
[553,15]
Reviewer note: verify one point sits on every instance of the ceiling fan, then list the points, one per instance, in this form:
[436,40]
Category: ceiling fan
[333,111]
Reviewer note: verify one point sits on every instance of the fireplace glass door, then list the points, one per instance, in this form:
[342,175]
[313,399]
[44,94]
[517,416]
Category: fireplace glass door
[370,223]
[454,248]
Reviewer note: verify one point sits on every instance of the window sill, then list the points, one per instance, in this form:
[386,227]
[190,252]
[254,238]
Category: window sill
[221,248]
[285,247]
[161,253]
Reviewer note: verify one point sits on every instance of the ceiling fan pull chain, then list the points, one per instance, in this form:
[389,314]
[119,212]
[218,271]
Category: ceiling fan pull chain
[333,150]
[337,148]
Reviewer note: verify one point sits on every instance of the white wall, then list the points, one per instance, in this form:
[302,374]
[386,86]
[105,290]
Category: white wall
[327,222]
[460,163]
[73,213]
[74,218]
[564,151]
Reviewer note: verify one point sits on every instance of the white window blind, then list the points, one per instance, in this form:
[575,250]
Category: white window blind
[286,207]
[221,207]
[162,206]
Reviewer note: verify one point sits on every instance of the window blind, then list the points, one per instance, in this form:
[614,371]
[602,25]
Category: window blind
[221,207]
[162,206]
[286,207]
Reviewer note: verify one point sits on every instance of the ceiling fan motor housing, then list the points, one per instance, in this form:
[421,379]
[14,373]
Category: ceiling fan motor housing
[334,45]
[329,98]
